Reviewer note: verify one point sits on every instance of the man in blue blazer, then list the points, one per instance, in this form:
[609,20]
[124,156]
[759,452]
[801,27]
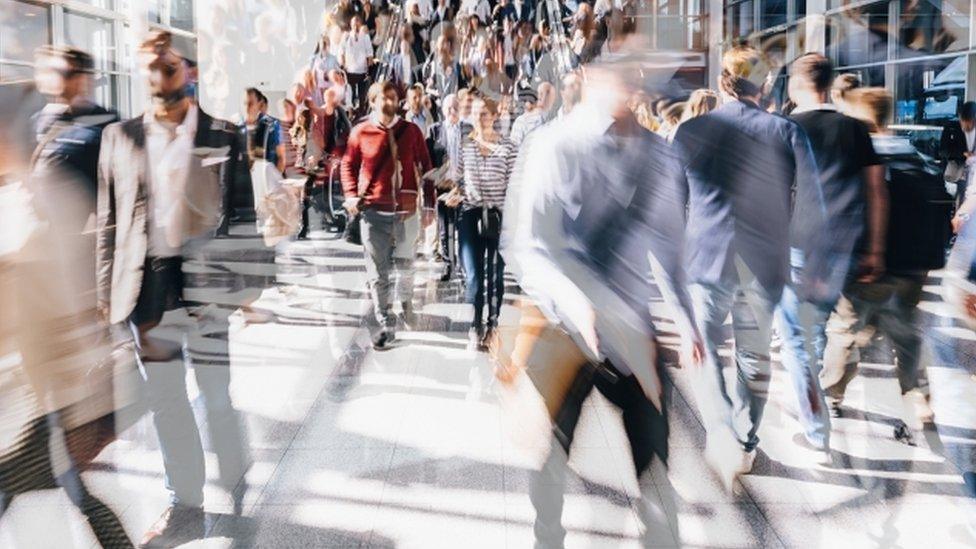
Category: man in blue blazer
[753,196]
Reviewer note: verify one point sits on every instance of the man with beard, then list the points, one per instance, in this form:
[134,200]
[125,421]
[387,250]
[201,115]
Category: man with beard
[160,182]
[380,178]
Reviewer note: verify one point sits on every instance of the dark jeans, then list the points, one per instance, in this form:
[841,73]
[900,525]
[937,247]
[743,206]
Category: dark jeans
[446,217]
[646,428]
[360,86]
[484,270]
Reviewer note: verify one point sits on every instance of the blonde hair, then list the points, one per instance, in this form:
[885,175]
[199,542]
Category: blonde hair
[872,105]
[701,102]
[744,72]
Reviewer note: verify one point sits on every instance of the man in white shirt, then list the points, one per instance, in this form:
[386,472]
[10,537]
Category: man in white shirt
[164,184]
[570,93]
[322,63]
[356,56]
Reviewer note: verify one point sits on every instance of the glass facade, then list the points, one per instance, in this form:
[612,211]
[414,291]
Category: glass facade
[100,27]
[918,49]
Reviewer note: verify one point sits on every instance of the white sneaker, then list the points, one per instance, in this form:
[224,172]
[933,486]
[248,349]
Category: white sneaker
[725,456]
[917,409]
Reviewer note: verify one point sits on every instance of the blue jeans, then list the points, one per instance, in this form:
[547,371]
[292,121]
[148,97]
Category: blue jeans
[484,269]
[752,308]
[801,326]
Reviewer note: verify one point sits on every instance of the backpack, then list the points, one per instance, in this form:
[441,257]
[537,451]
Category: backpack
[920,209]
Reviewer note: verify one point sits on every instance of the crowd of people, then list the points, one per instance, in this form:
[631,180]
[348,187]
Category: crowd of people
[500,136]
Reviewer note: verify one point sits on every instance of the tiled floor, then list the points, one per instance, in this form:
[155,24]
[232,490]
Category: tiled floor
[419,447]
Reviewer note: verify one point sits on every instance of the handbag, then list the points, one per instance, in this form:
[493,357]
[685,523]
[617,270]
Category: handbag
[354,232]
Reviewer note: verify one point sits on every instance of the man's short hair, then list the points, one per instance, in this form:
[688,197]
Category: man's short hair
[814,68]
[968,110]
[256,94]
[380,88]
[80,61]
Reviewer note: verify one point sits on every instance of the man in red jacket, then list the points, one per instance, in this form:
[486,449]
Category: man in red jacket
[384,161]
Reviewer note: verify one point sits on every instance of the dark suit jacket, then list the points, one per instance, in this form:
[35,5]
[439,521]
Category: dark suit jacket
[77,137]
[123,214]
[745,169]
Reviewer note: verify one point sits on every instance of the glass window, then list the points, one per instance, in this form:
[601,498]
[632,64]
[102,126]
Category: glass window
[105,4]
[741,19]
[801,9]
[93,35]
[15,72]
[933,26]
[858,36]
[773,13]
[181,14]
[105,90]
[155,10]
[23,28]
[930,91]
[677,32]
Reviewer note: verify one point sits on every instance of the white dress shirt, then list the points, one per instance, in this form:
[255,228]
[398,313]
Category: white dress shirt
[169,149]
[356,51]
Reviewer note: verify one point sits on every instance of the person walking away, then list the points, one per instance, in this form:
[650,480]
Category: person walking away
[856,202]
[380,179]
[887,302]
[744,169]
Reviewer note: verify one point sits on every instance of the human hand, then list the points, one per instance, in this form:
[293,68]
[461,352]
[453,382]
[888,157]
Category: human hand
[958,221]
[692,352]
[351,205]
[969,303]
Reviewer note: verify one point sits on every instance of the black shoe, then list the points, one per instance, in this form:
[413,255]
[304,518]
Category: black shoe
[177,525]
[903,434]
[383,339]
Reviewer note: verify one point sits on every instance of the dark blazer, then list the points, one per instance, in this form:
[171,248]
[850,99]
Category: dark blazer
[745,168]
[73,144]
[122,211]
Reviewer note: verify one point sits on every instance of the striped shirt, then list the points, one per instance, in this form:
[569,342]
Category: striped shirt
[485,177]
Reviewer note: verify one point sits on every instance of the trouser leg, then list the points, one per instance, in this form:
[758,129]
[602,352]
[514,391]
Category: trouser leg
[752,319]
[377,233]
[406,235]
[899,322]
[176,428]
[841,354]
[473,259]
[798,323]
[711,304]
[547,485]
[208,351]
[495,271]
[103,521]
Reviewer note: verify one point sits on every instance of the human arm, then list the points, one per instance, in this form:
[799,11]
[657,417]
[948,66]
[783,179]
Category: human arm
[349,173]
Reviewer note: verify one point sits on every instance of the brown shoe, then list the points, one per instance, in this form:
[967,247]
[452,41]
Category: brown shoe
[178,525]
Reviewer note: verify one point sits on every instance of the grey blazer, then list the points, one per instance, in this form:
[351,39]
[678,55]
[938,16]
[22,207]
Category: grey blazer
[122,209]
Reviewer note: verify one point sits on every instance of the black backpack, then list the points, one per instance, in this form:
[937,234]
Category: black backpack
[920,209]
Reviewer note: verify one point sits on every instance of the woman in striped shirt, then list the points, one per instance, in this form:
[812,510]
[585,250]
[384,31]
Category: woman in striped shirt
[485,166]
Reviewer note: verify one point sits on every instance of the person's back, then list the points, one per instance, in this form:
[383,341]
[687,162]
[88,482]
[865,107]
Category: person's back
[741,163]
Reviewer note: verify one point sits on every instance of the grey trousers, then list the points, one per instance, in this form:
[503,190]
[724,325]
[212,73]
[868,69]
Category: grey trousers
[389,244]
